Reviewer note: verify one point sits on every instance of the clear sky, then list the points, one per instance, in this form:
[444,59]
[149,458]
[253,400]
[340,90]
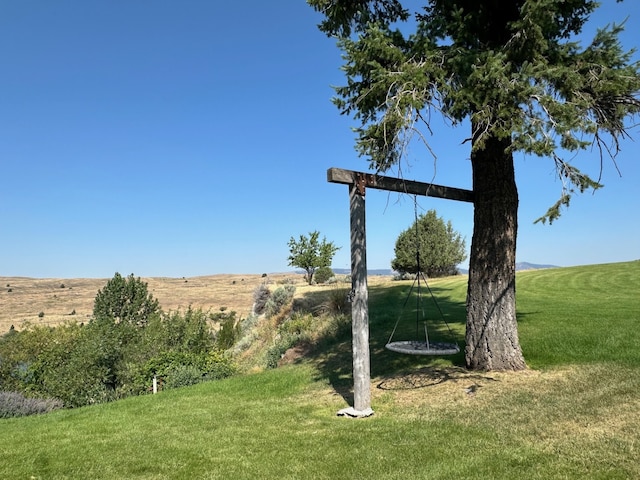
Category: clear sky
[192,137]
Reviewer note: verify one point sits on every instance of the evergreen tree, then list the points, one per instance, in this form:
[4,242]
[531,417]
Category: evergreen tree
[514,70]
[441,247]
[125,300]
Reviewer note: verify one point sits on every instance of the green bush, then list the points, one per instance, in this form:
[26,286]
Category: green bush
[125,300]
[186,331]
[323,275]
[106,360]
[213,365]
[277,350]
[219,365]
[182,376]
[289,333]
[229,332]
[298,324]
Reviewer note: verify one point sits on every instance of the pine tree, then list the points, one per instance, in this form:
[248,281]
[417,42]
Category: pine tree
[125,300]
[441,247]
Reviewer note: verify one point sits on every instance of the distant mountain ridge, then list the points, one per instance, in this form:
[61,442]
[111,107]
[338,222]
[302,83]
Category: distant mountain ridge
[533,266]
[387,271]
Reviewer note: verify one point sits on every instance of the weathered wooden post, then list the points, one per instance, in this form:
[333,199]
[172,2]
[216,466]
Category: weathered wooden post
[359,306]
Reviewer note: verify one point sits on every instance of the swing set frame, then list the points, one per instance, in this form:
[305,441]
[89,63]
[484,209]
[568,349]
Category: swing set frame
[358,182]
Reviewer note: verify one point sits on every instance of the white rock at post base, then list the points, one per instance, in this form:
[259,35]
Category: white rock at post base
[353,413]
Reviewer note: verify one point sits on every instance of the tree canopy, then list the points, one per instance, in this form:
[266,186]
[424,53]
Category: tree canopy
[311,253]
[441,247]
[515,69]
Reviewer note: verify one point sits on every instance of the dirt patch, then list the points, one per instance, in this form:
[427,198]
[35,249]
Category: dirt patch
[295,353]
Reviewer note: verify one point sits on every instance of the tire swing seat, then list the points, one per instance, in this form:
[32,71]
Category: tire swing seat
[422,347]
[417,347]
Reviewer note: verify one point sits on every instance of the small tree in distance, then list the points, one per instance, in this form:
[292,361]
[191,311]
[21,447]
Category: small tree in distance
[309,253]
[441,247]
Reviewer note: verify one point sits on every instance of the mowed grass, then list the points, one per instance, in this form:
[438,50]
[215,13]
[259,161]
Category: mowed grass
[574,414]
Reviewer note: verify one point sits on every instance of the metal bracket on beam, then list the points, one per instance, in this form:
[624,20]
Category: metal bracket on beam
[361,183]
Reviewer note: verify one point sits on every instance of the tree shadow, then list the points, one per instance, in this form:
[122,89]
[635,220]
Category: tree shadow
[430,376]
[522,317]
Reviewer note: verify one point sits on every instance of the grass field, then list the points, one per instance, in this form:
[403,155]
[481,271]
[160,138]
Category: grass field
[574,414]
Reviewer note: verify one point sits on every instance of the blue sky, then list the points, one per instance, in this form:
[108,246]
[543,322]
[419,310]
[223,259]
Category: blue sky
[167,138]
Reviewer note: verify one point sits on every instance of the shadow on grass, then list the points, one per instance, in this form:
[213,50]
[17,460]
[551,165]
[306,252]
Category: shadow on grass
[430,376]
[333,358]
[522,317]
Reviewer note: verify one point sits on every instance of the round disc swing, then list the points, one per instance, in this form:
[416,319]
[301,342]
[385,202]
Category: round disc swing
[421,346]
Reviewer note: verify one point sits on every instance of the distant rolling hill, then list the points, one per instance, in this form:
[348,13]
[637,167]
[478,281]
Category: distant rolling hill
[388,271]
[532,266]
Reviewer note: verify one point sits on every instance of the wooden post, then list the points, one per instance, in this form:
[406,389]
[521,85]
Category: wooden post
[359,305]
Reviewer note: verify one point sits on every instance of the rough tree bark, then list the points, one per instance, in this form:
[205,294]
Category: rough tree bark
[492,332]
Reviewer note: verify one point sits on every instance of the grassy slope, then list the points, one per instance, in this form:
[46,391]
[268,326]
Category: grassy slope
[574,416]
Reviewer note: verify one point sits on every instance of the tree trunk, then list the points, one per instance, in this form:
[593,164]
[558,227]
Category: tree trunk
[492,331]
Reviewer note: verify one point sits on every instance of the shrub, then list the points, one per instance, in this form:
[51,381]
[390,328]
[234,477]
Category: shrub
[186,331]
[219,365]
[229,332]
[105,360]
[281,296]
[260,297]
[323,274]
[212,365]
[182,376]
[335,303]
[277,350]
[298,324]
[13,404]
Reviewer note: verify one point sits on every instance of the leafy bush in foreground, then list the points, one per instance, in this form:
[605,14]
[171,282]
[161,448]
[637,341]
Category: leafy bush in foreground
[107,359]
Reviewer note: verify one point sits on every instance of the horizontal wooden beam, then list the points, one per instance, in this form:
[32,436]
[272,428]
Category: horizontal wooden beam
[368,180]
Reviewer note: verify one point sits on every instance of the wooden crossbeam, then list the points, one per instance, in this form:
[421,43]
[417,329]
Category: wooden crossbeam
[367,180]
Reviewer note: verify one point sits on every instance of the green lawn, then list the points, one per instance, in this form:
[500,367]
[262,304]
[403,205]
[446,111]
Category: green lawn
[573,415]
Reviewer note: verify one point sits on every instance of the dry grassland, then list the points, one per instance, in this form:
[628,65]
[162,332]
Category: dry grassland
[22,299]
